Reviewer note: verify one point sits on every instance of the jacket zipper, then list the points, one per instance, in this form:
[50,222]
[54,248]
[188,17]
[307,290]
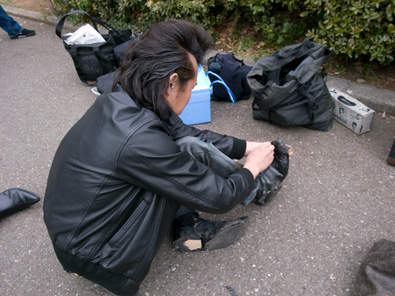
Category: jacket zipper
[150,249]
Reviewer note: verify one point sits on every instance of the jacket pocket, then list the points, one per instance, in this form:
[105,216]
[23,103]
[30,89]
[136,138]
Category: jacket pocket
[126,232]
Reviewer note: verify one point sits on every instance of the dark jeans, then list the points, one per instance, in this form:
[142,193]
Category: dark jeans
[8,24]
[205,152]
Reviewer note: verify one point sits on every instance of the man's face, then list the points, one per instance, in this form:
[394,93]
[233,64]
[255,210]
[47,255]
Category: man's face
[178,97]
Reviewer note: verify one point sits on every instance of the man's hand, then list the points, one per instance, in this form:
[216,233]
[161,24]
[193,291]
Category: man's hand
[252,145]
[259,157]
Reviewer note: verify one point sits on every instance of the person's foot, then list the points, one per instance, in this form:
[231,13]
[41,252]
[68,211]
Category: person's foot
[207,235]
[391,156]
[24,33]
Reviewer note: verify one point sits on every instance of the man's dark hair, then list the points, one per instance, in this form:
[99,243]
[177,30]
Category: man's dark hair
[161,51]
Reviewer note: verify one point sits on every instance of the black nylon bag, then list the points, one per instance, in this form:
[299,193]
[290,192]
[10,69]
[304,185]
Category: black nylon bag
[90,60]
[234,73]
[289,90]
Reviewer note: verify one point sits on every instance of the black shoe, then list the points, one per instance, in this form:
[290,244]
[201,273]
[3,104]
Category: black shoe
[24,33]
[271,179]
[391,156]
[207,235]
[15,199]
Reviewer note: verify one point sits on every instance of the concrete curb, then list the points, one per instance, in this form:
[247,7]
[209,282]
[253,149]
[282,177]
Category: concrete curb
[36,16]
[380,100]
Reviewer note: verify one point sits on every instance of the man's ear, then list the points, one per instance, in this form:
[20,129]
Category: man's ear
[173,80]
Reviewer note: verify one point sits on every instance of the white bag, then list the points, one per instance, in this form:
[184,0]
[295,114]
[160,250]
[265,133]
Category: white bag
[85,35]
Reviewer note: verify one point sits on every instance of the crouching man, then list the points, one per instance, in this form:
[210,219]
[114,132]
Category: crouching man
[129,168]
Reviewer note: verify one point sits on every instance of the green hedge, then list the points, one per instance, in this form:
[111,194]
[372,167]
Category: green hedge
[362,28]
[357,29]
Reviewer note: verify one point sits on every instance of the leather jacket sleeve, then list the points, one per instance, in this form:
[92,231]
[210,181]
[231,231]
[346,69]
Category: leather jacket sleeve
[153,161]
[230,146]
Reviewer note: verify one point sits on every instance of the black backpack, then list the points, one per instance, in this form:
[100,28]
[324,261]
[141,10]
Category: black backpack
[229,78]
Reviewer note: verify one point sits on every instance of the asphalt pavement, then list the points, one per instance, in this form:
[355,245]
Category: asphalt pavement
[337,200]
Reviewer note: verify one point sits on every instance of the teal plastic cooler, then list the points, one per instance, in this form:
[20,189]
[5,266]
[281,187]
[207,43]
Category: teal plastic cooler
[198,109]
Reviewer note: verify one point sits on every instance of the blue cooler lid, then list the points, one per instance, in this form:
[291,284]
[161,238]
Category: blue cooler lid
[203,82]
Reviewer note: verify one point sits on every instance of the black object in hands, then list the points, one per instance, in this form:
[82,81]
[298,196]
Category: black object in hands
[270,180]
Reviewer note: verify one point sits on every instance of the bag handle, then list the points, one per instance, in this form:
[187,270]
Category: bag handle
[345,101]
[59,26]
[108,27]
[104,24]
[221,81]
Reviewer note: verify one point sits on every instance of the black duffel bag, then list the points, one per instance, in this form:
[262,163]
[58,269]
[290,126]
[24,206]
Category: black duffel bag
[290,90]
[90,60]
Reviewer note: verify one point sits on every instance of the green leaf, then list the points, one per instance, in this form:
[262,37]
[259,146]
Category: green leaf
[391,29]
[388,11]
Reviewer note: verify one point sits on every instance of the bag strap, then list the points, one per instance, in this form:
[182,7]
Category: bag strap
[59,26]
[241,62]
[311,104]
[221,81]
[105,25]
[111,30]
[73,53]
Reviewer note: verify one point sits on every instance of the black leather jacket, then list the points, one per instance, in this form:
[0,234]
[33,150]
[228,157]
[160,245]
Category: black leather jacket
[118,178]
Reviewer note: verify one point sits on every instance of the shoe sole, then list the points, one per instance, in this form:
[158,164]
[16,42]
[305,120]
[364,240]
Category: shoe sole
[189,245]
[22,36]
[230,233]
